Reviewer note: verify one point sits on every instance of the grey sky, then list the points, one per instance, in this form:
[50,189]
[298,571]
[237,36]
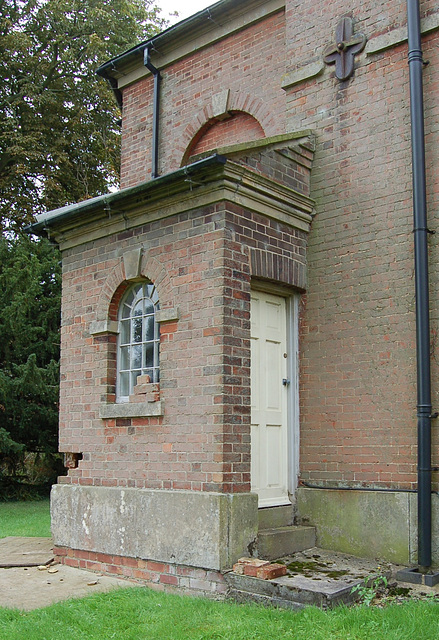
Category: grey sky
[185,8]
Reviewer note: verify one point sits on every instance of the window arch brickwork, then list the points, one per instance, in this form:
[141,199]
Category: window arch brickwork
[238,128]
[237,101]
[106,328]
[116,284]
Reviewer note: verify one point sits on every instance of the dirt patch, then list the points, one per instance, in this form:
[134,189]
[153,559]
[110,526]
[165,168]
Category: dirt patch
[25,552]
[29,588]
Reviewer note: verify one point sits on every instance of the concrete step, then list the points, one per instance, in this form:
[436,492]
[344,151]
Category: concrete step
[289,592]
[282,541]
[242,597]
[272,517]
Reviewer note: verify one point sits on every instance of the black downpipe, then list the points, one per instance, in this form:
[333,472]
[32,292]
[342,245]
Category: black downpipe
[424,409]
[156,112]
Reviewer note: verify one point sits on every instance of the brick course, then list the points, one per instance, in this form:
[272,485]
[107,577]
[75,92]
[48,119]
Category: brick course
[160,576]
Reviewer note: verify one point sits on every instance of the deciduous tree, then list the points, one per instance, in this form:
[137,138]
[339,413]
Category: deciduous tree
[59,132]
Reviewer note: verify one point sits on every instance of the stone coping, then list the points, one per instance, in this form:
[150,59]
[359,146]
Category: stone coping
[215,179]
[131,410]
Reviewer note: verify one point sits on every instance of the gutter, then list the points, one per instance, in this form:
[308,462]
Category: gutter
[212,13]
[105,69]
[215,22]
[108,69]
[110,201]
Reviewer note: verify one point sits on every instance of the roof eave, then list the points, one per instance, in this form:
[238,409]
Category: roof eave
[58,217]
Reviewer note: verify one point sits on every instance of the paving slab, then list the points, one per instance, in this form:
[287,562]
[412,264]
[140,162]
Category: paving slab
[25,552]
[322,578]
[29,579]
[29,588]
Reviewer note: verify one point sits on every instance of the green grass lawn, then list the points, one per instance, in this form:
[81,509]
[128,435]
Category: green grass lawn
[141,613]
[29,519]
[138,614]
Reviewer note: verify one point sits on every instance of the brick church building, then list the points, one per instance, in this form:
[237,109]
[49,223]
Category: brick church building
[238,321]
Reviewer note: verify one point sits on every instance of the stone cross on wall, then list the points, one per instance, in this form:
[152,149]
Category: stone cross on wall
[344,50]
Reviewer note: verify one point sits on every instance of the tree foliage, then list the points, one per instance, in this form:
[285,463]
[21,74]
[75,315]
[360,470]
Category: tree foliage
[30,277]
[59,143]
[59,138]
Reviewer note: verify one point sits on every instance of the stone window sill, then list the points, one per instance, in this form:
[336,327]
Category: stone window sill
[131,410]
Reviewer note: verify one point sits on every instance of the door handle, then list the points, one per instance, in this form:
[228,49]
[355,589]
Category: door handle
[285,382]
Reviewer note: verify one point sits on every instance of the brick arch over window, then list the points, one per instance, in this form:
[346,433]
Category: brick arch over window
[237,101]
[238,127]
[117,283]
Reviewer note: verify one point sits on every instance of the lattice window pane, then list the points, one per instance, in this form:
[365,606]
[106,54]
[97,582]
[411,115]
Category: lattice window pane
[149,354]
[125,333]
[124,382]
[149,328]
[136,356]
[137,329]
[139,338]
[125,358]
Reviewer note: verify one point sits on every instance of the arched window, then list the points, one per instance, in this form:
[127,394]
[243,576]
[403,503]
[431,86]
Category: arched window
[139,338]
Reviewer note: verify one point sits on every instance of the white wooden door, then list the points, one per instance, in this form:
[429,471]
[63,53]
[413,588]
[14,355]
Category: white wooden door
[269,397]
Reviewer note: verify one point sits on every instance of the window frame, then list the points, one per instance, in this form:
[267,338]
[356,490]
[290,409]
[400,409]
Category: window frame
[141,296]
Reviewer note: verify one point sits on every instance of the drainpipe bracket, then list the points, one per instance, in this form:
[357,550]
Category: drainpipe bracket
[425,229]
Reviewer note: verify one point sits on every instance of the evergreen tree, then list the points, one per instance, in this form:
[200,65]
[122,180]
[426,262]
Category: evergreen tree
[30,291]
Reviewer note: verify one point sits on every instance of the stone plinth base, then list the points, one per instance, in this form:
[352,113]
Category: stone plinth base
[196,529]
[369,524]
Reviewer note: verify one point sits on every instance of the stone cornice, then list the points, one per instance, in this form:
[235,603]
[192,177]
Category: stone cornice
[214,181]
[304,139]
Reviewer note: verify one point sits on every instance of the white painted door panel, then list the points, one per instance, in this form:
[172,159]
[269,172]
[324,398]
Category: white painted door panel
[269,432]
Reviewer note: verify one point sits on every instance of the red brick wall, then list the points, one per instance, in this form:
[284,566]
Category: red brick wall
[200,263]
[249,64]
[358,373]
[162,576]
